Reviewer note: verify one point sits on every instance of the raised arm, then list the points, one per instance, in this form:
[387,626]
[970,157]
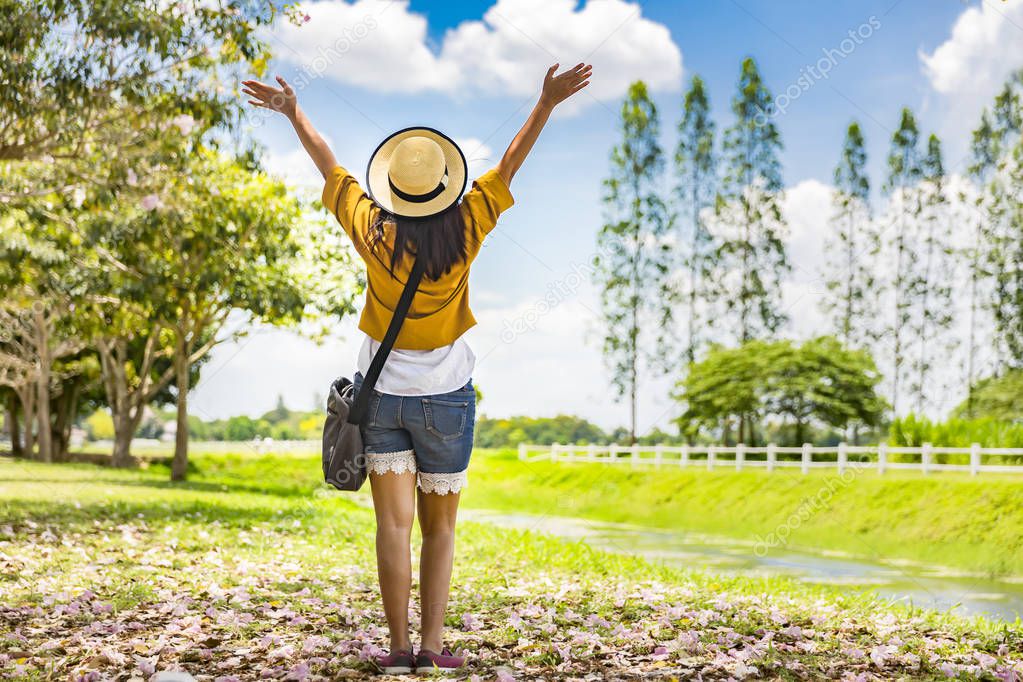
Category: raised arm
[556,89]
[283,100]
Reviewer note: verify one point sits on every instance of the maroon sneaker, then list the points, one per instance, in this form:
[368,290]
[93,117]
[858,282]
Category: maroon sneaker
[400,662]
[427,661]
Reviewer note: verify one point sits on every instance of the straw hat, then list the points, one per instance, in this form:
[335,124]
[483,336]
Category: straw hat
[416,173]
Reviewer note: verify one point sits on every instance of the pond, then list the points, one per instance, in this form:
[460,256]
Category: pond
[926,587]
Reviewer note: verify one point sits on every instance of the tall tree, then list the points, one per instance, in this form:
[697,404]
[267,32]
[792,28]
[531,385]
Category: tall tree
[752,248]
[633,253]
[932,320]
[903,211]
[696,169]
[984,158]
[1005,226]
[749,222]
[853,245]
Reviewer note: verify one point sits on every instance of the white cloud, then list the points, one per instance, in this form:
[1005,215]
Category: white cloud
[385,47]
[807,209]
[479,155]
[985,46]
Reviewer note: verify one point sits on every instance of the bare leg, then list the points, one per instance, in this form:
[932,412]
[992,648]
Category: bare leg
[437,521]
[394,503]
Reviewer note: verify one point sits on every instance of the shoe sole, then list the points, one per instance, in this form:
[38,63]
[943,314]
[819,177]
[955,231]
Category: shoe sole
[424,669]
[396,670]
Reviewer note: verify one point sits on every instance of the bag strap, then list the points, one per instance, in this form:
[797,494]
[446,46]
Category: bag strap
[358,410]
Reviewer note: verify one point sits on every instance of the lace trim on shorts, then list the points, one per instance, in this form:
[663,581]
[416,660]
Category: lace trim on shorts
[442,484]
[396,462]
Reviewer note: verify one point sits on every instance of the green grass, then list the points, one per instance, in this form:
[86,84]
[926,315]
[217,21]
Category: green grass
[969,523]
[253,569]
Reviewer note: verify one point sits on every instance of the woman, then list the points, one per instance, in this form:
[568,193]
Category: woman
[419,424]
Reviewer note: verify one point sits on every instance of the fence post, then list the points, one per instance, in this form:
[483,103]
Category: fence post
[925,459]
[740,456]
[683,461]
[974,459]
[635,454]
[772,456]
[522,451]
[882,457]
[554,451]
[711,452]
[612,453]
[591,452]
[658,455]
[843,456]
[807,455]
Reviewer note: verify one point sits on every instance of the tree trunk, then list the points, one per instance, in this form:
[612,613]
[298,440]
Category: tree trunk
[179,467]
[65,411]
[121,456]
[43,430]
[13,426]
[28,415]
[42,341]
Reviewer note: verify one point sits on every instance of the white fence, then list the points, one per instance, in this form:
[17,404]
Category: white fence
[925,459]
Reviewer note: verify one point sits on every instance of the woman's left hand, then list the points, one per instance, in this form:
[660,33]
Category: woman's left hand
[281,99]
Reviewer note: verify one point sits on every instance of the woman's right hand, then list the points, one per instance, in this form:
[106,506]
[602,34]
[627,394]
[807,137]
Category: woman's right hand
[556,89]
[281,99]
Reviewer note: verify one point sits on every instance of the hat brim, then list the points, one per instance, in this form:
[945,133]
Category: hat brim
[380,189]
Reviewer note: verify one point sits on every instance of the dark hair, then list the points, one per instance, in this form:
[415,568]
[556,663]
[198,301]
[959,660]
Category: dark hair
[440,240]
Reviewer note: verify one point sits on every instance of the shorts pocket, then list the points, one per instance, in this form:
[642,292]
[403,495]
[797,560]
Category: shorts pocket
[445,418]
[372,408]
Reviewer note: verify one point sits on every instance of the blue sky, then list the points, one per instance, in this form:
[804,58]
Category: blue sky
[473,69]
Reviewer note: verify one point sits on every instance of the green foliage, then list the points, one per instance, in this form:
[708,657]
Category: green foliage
[999,398]
[499,433]
[988,432]
[819,382]
[633,260]
[88,85]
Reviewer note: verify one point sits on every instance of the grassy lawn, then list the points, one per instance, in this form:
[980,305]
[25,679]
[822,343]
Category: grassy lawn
[969,523]
[253,570]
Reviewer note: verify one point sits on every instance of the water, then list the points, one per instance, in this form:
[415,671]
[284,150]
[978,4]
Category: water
[926,587]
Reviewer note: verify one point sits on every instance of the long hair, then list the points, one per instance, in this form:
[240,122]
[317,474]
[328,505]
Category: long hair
[439,240]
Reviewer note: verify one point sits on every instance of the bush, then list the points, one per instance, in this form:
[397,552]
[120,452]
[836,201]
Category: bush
[914,431]
[100,425]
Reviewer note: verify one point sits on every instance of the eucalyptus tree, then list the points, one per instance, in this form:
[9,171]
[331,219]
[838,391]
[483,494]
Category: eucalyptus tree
[750,228]
[1005,226]
[853,246]
[751,246]
[932,290]
[901,187]
[697,175]
[984,159]
[632,265]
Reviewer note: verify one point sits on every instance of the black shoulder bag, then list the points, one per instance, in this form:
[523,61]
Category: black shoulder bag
[344,462]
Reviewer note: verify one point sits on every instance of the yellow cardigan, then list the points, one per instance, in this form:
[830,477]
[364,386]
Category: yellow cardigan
[440,310]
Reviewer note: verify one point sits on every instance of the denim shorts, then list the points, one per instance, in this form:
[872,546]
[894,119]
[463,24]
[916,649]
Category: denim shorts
[430,435]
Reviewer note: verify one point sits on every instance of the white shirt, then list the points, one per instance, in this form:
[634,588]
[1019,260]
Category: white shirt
[421,372]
